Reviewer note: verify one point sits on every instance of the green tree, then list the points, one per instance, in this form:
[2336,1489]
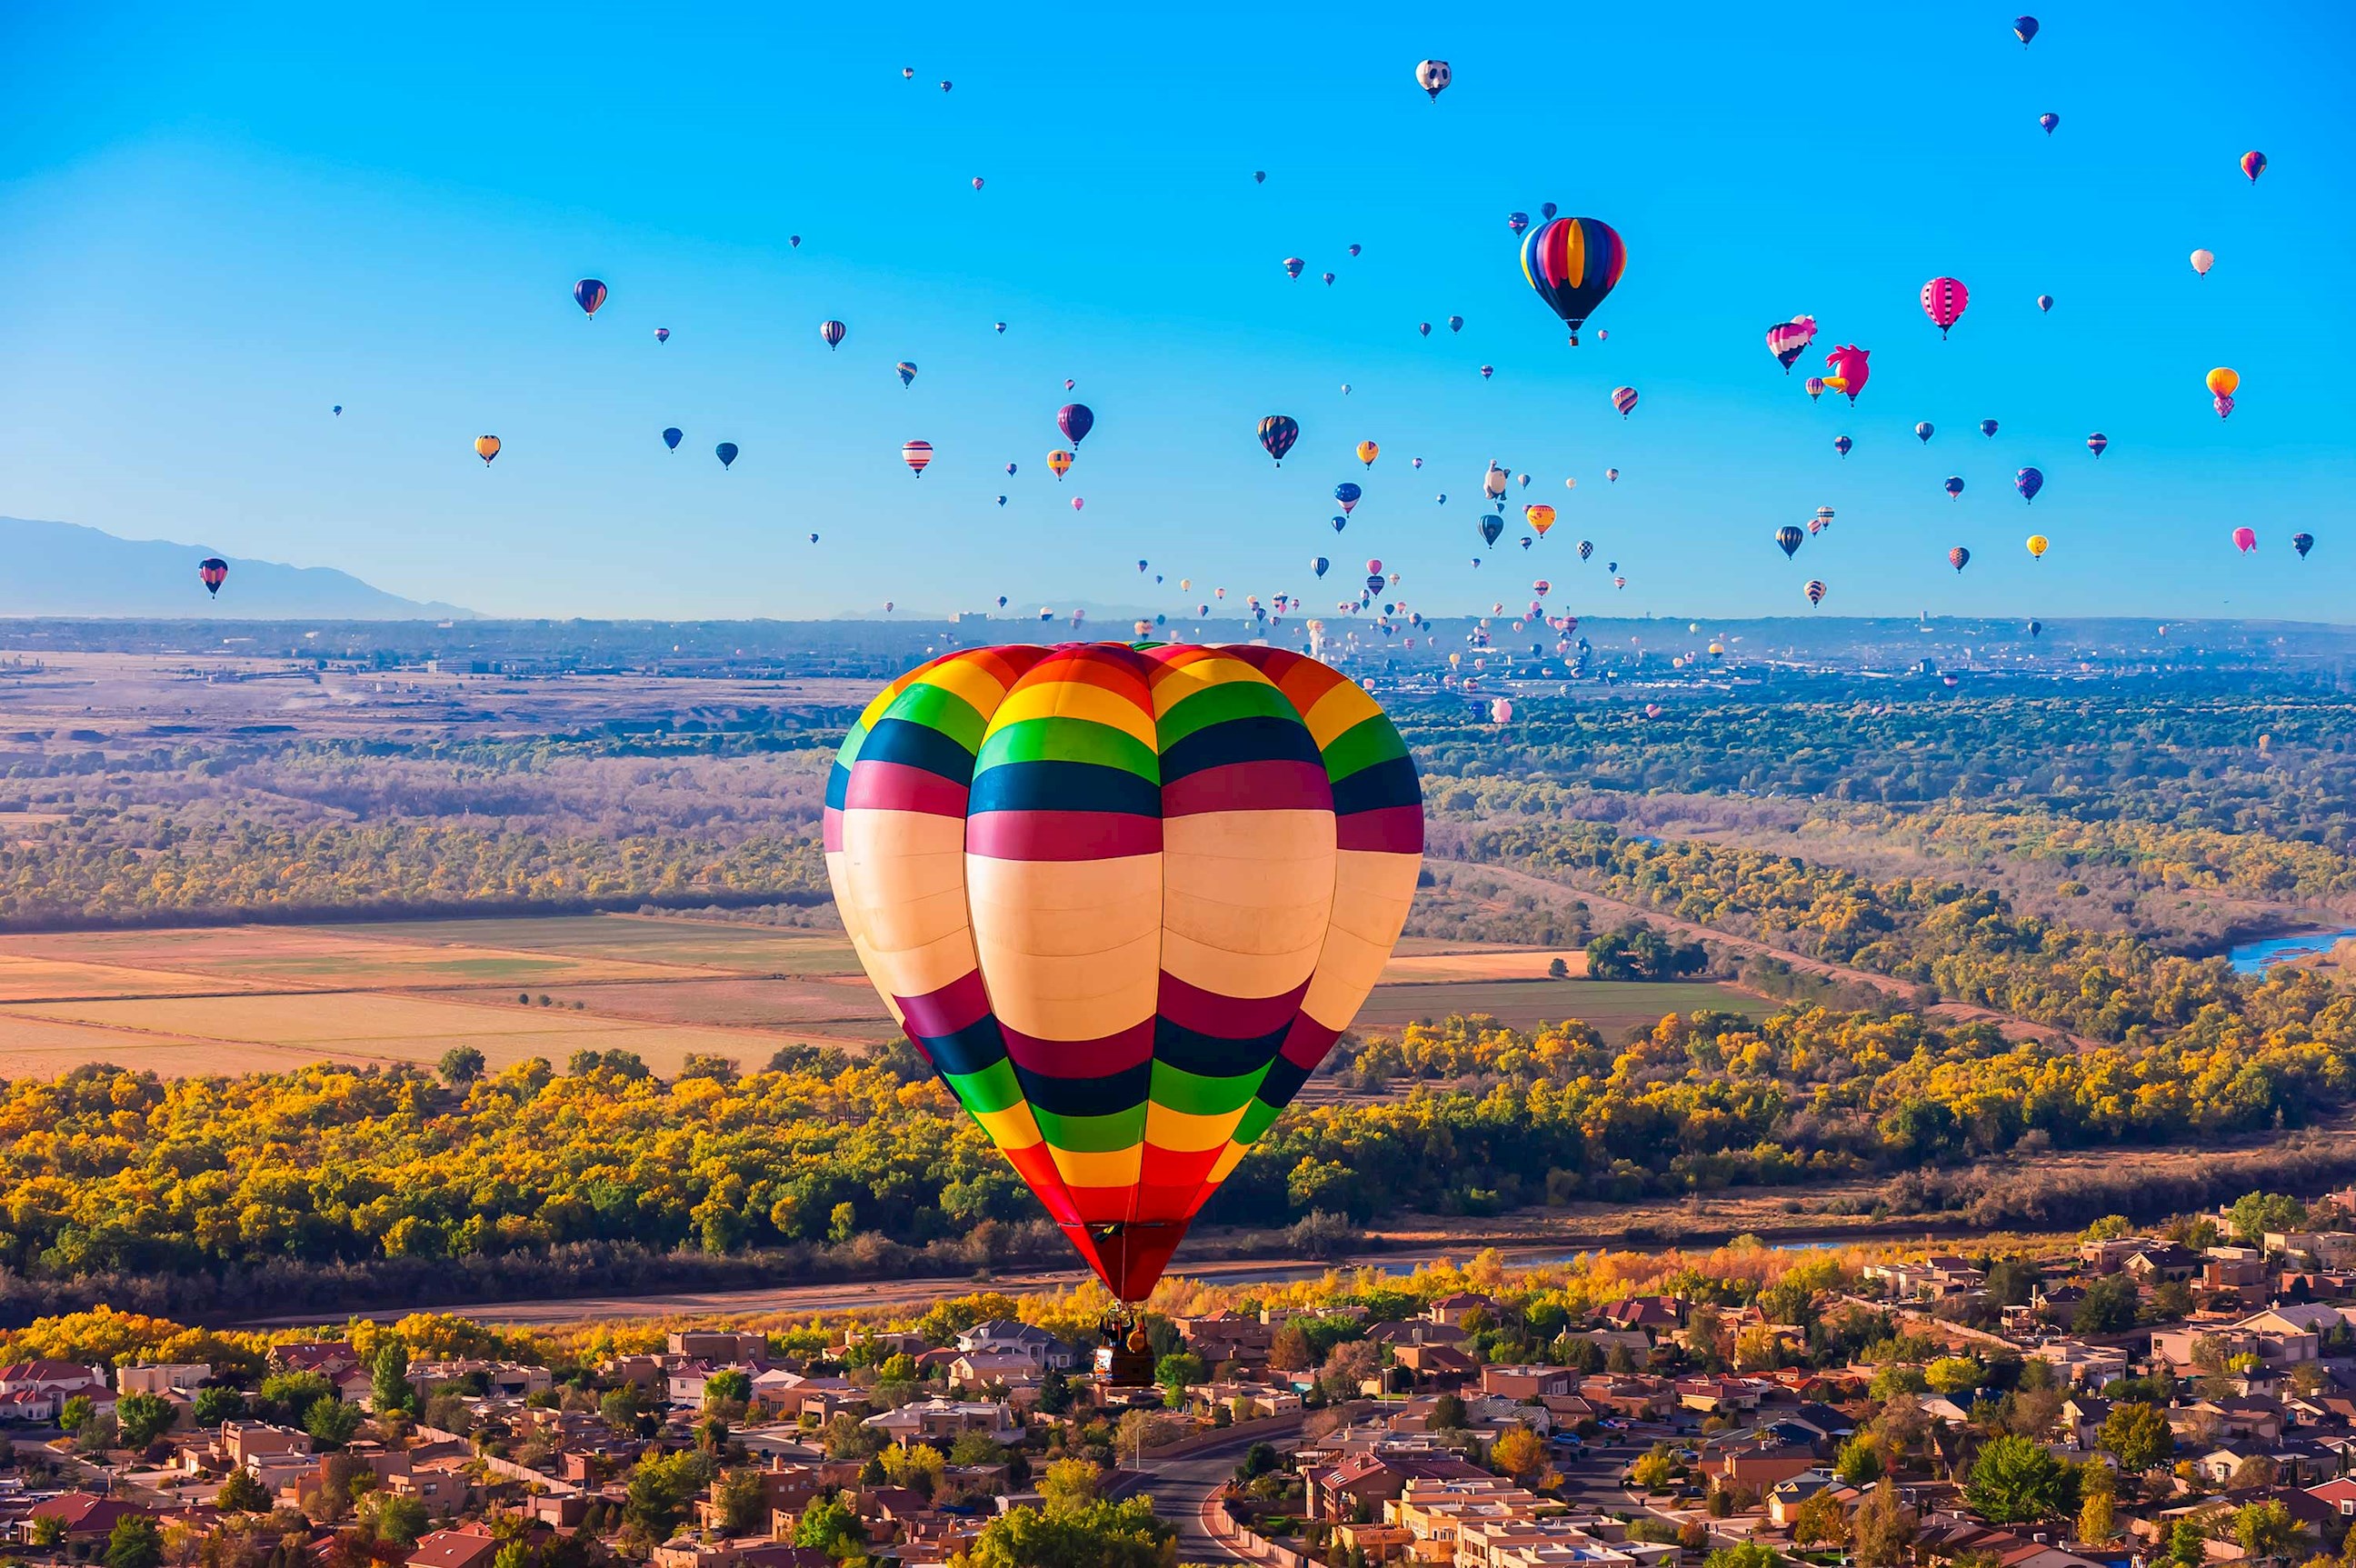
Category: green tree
[1953,1375]
[832,1526]
[1447,1414]
[1882,1534]
[284,1396]
[460,1065]
[2136,1435]
[215,1405]
[1069,1485]
[75,1413]
[620,1409]
[1749,1554]
[2255,1213]
[1653,1469]
[142,1418]
[330,1421]
[2263,1529]
[2017,1480]
[1097,1535]
[662,1489]
[1858,1463]
[2097,1511]
[390,1392]
[135,1542]
[735,1388]
[2109,1306]
[240,1493]
[1818,1521]
[743,1501]
[394,1520]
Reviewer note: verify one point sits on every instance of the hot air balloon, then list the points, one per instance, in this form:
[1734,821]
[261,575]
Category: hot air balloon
[1787,539]
[212,572]
[2036,627]
[832,332]
[1501,711]
[1433,76]
[1493,528]
[795,240]
[1368,452]
[1328,277]
[1423,328]
[907,372]
[1347,494]
[2203,261]
[1260,177]
[1059,463]
[1853,365]
[1573,262]
[1456,324]
[1625,400]
[1586,548]
[1292,265]
[1318,564]
[1824,519]
[2223,403]
[1340,522]
[673,436]
[337,410]
[2048,120]
[1954,486]
[1540,518]
[1988,428]
[2038,545]
[917,454]
[2302,543]
[1944,300]
[1517,222]
[1542,588]
[1959,558]
[1922,432]
[977,182]
[2096,443]
[725,452]
[1816,388]
[2044,302]
[662,334]
[2254,164]
[1000,326]
[1354,249]
[1787,340]
[1841,444]
[2225,382]
[487,447]
[2024,28]
[1075,420]
[589,293]
[1492,482]
[2028,481]
[814,539]
[1277,434]
[1815,591]
[1619,582]
[2246,540]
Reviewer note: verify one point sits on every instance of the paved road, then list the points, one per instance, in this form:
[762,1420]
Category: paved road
[1182,1492]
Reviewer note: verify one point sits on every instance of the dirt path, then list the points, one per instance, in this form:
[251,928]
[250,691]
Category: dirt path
[2013,1027]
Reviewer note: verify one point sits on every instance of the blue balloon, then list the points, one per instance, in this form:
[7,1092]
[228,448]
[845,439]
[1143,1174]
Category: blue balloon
[673,437]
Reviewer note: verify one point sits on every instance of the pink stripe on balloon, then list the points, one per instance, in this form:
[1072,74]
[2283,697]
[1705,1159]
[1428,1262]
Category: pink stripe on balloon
[1271,785]
[880,786]
[1061,835]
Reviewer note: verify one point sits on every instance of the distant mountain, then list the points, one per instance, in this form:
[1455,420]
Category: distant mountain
[63,569]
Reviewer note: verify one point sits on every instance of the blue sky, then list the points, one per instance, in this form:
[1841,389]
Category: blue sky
[218,226]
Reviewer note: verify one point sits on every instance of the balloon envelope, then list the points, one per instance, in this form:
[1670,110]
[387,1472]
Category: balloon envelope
[589,293]
[1573,263]
[2254,164]
[673,437]
[2028,481]
[725,452]
[1075,420]
[2246,540]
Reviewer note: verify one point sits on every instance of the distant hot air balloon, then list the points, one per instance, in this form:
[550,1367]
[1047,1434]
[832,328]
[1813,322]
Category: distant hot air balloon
[2036,627]
[2203,261]
[795,240]
[1079,501]
[1318,564]
[1922,432]
[1292,265]
[662,334]
[2224,381]
[2246,540]
[1788,539]
[977,182]
[1954,486]
[1573,263]
[2096,443]
[589,293]
[1539,517]
[907,372]
[212,572]
[1854,367]
[1625,400]
[2048,120]
[1456,324]
[1000,326]
[1841,444]
[813,539]
[1368,452]
[1959,558]
[1517,222]
[1488,370]
[1260,177]
[1619,582]
[1816,387]
[917,454]
[1277,434]
[1613,475]
[1354,249]
[1328,277]
[1501,711]
[2302,543]
[673,436]
[1787,340]
[1075,420]
[1340,523]
[1347,493]
[2024,28]
[2028,481]
[1824,520]
[832,332]
[2223,403]
[1433,76]
[1944,300]
[1586,548]
[2254,164]
[725,452]
[1493,528]
[2038,545]
[1010,468]
[1423,328]
[1059,463]
[487,447]
[1988,428]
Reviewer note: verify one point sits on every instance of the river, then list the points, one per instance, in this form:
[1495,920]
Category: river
[2256,956]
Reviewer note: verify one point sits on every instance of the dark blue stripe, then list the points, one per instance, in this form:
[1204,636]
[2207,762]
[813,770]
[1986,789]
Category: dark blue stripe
[1284,1079]
[838,785]
[971,1050]
[1122,1091]
[1391,783]
[917,746]
[1255,737]
[1210,1056]
[1062,786]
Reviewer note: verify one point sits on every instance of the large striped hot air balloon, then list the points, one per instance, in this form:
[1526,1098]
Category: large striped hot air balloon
[1787,340]
[1124,899]
[1944,300]
[1573,262]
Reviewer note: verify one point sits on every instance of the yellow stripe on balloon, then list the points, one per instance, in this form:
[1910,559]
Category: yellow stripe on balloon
[1112,1167]
[971,680]
[1188,1133]
[1181,681]
[1224,1166]
[1338,711]
[1076,700]
[1013,1128]
[1574,254]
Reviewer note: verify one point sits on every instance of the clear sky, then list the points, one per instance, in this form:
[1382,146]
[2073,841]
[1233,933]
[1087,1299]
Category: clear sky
[220,221]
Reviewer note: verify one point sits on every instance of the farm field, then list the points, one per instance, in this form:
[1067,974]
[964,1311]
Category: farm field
[222,999]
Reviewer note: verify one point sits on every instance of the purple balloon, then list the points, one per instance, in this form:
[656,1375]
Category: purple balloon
[2028,481]
[1075,420]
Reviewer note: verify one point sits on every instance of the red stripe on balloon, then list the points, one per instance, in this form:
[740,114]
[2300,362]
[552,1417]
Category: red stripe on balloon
[1101,1057]
[1270,785]
[879,786]
[1225,1017]
[1387,829]
[962,1002]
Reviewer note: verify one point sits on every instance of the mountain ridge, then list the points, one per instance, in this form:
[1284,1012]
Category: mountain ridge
[68,569]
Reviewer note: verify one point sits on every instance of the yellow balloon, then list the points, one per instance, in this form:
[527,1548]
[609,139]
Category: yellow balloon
[1060,462]
[1368,452]
[487,447]
[1540,518]
[2038,545]
[2222,381]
